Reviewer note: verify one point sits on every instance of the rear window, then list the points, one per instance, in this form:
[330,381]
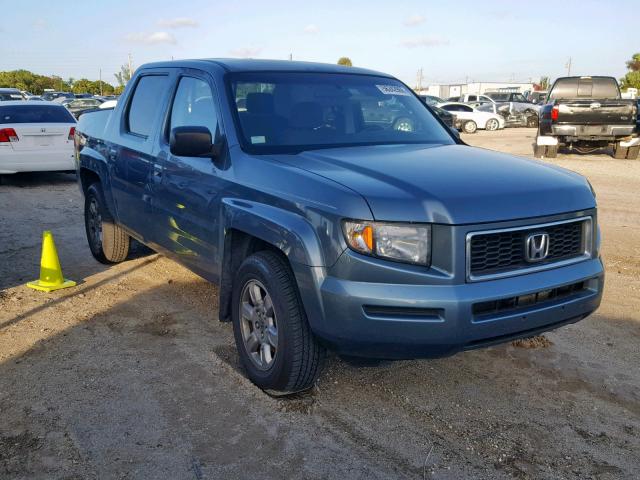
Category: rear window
[585,87]
[145,104]
[35,114]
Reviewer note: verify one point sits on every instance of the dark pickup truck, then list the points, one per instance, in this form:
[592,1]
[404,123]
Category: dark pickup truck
[587,113]
[327,228]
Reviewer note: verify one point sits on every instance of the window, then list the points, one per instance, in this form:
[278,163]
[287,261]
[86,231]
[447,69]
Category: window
[518,97]
[473,98]
[145,104]
[30,113]
[193,106]
[293,112]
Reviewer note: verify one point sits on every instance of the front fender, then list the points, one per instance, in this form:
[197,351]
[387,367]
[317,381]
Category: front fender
[290,232]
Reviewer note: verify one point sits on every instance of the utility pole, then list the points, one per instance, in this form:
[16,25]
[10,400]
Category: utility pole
[419,82]
[100,82]
[291,57]
[568,67]
[130,67]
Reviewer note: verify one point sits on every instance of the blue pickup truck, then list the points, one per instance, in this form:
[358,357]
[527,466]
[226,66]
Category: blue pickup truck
[325,230]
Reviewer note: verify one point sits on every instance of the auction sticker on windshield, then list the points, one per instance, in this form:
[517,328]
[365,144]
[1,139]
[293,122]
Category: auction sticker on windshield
[393,90]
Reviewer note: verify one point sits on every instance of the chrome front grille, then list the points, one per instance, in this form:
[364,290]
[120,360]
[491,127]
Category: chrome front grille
[502,252]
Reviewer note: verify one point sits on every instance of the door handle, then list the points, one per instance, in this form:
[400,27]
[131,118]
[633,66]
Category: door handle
[157,171]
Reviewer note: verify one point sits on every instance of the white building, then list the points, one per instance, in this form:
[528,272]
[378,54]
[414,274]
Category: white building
[458,89]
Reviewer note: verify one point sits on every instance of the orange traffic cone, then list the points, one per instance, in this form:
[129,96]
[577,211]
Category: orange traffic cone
[50,272]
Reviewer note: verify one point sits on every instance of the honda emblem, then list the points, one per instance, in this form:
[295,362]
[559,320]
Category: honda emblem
[536,247]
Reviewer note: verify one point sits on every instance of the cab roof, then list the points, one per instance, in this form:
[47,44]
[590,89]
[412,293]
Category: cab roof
[252,65]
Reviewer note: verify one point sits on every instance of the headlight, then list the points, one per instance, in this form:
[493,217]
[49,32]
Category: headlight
[400,242]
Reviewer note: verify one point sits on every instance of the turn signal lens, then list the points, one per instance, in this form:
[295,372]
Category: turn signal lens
[359,237]
[410,243]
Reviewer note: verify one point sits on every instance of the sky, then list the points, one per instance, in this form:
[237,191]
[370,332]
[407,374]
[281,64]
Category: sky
[452,41]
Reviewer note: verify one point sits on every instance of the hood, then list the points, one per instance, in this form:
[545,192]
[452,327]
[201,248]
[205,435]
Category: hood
[450,184]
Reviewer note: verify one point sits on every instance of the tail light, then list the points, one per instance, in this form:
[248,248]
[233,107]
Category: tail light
[72,132]
[554,113]
[8,135]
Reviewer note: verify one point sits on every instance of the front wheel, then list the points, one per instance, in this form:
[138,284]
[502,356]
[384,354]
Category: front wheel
[469,127]
[275,343]
[492,124]
[108,242]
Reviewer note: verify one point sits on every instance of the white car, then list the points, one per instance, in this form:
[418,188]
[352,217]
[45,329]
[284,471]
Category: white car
[35,137]
[108,104]
[471,118]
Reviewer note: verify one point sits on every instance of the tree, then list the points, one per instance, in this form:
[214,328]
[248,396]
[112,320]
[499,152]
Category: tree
[544,83]
[123,76]
[34,83]
[346,61]
[632,78]
[634,63]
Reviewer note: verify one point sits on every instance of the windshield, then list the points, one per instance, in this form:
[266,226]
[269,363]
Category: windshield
[290,112]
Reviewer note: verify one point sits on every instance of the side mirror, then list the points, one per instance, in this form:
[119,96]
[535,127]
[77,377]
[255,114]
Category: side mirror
[191,142]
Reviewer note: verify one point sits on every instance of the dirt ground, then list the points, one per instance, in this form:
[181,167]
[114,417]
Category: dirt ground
[130,375]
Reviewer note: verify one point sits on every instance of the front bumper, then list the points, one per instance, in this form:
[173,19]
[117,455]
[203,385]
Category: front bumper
[412,321]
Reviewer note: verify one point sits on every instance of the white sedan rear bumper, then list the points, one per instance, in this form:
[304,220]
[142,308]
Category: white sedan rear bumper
[12,161]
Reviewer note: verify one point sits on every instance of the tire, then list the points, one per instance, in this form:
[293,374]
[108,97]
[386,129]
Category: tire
[403,124]
[108,242]
[492,125]
[294,359]
[532,121]
[469,126]
[620,152]
[632,153]
[551,151]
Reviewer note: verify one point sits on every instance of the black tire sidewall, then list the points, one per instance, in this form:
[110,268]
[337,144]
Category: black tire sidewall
[258,268]
[94,191]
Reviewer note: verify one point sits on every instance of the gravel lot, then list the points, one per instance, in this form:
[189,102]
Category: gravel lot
[130,375]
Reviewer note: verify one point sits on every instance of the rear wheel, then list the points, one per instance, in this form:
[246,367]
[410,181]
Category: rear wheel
[532,121]
[469,126]
[539,151]
[108,242]
[492,124]
[632,153]
[551,151]
[275,343]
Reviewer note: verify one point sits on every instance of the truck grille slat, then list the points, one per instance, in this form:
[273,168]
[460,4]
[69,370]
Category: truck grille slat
[500,251]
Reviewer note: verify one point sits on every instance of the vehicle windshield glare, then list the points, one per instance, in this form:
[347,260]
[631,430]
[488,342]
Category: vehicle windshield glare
[290,112]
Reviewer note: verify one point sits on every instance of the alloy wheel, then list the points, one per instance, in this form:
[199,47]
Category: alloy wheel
[258,324]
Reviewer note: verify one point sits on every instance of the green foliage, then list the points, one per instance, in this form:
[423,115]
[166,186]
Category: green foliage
[346,61]
[88,86]
[632,78]
[34,83]
[544,83]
